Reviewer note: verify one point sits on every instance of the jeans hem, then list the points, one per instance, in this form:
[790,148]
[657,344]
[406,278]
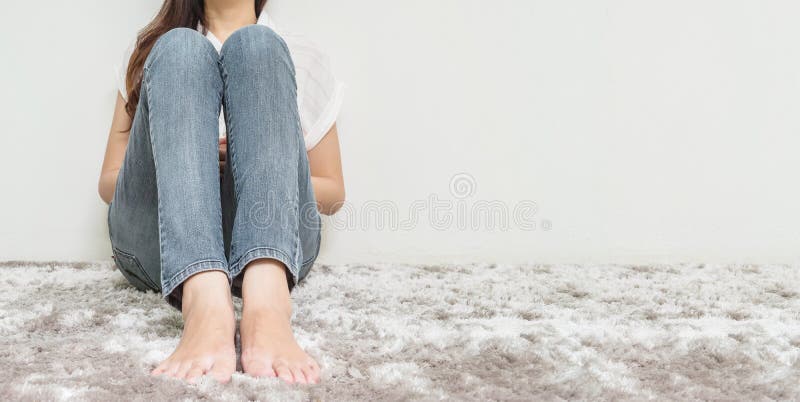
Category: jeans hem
[196,267]
[264,252]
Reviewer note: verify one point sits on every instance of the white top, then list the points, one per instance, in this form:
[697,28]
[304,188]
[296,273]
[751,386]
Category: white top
[319,93]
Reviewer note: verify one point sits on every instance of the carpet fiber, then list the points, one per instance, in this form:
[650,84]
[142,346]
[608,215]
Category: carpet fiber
[392,332]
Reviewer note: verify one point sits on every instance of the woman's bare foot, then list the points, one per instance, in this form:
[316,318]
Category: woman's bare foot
[268,345]
[207,344]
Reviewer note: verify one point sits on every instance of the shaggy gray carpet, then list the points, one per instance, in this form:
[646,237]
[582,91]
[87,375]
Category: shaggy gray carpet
[467,332]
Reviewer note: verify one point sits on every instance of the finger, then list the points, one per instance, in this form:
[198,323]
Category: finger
[223,140]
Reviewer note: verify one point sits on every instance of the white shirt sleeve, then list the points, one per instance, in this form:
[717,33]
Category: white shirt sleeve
[121,69]
[319,93]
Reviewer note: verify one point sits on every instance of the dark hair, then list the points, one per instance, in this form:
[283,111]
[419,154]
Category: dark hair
[173,14]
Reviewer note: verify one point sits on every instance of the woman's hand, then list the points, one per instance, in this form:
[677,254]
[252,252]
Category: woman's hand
[223,154]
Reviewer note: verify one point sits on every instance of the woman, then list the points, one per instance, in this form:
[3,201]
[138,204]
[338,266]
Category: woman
[204,205]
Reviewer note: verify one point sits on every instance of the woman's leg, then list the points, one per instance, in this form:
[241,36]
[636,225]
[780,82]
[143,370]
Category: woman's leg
[167,206]
[270,240]
[183,88]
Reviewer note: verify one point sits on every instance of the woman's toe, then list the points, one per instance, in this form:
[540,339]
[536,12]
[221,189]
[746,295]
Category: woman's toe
[160,368]
[311,377]
[258,368]
[298,375]
[183,369]
[194,373]
[171,369]
[282,370]
[221,372]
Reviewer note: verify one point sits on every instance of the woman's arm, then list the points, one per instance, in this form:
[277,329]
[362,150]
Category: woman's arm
[325,161]
[115,150]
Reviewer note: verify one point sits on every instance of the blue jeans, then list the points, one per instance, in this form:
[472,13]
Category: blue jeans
[172,214]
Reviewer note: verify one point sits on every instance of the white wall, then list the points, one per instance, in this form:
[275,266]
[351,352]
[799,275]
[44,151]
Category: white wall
[643,130]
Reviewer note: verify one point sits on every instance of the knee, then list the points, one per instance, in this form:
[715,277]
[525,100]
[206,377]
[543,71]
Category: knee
[255,44]
[181,46]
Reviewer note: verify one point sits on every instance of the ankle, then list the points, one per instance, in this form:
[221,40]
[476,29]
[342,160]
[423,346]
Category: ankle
[265,288]
[210,286]
[282,311]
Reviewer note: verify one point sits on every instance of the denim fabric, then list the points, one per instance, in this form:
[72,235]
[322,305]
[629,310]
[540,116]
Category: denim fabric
[172,215]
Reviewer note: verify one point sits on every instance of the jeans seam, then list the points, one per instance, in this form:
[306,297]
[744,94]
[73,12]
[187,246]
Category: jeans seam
[301,148]
[229,126]
[161,239]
